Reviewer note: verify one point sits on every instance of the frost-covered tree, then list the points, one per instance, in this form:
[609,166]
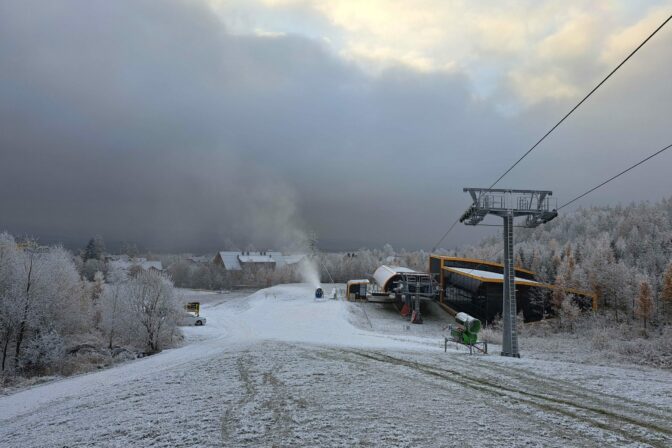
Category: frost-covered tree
[153,306]
[29,303]
[569,312]
[558,296]
[130,249]
[114,309]
[94,249]
[41,293]
[97,287]
[8,303]
[644,303]
[612,249]
[666,295]
[91,266]
[182,273]
[44,350]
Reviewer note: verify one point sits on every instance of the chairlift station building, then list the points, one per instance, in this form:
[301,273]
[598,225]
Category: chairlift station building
[475,287]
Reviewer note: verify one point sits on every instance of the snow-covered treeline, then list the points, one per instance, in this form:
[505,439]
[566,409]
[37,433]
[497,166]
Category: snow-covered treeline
[621,253]
[186,274]
[341,266]
[364,262]
[624,255]
[54,321]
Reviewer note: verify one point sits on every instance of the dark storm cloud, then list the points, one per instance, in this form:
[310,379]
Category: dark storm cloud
[147,121]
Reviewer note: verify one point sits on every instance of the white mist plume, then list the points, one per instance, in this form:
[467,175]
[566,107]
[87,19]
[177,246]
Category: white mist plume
[309,272]
[276,213]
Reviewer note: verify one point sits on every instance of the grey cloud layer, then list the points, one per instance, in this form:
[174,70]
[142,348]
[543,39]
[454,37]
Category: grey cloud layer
[147,121]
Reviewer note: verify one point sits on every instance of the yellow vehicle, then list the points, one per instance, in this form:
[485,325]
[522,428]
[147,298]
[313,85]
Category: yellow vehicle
[193,307]
[356,289]
[192,315]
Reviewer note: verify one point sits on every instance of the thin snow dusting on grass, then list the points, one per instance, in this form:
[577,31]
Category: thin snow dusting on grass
[279,369]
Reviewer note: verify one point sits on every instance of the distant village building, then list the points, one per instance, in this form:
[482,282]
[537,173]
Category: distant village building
[126,265]
[197,260]
[240,260]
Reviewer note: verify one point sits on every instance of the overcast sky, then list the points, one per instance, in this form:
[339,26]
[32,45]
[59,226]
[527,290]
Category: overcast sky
[190,125]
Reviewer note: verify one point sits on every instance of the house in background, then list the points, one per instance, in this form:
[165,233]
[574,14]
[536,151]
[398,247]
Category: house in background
[126,265]
[199,260]
[241,260]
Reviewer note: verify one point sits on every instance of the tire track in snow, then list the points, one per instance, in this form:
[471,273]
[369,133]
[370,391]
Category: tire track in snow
[615,422]
[554,430]
[555,385]
[266,412]
[234,414]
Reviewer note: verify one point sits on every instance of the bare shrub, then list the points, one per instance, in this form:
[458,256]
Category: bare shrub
[43,352]
[601,339]
[568,313]
[491,335]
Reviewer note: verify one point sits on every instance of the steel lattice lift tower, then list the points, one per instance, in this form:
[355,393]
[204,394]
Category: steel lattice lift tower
[509,204]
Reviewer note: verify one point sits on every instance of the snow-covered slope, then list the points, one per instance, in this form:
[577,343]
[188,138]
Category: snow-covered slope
[290,313]
[280,369]
[283,313]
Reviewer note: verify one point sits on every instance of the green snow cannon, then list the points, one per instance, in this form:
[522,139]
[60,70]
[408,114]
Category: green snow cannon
[467,332]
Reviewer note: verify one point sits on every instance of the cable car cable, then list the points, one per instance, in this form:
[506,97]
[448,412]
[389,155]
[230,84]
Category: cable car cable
[616,176]
[582,101]
[563,119]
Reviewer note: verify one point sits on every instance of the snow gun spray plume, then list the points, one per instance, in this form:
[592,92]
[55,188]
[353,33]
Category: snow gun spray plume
[310,273]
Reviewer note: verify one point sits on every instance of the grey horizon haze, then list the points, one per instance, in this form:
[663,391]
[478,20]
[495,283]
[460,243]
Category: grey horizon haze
[187,126]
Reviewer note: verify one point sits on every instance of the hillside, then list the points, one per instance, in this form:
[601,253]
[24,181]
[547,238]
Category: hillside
[278,368]
[611,250]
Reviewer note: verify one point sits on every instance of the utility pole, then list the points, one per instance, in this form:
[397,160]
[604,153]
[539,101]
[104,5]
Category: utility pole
[509,204]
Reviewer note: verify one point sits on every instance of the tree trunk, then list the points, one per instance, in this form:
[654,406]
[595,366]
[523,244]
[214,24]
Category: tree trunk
[150,340]
[26,308]
[4,352]
[19,340]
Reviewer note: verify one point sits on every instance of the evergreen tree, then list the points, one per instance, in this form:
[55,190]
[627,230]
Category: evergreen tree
[94,249]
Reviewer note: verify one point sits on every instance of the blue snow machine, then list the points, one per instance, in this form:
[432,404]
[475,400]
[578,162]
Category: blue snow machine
[319,293]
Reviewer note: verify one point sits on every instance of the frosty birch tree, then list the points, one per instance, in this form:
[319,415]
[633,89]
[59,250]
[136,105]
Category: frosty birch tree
[8,309]
[27,306]
[153,304]
[112,307]
[96,291]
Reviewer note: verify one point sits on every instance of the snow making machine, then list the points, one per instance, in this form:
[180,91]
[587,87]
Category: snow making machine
[466,333]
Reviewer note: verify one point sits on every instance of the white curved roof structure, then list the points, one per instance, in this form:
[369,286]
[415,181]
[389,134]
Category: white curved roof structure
[384,274]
